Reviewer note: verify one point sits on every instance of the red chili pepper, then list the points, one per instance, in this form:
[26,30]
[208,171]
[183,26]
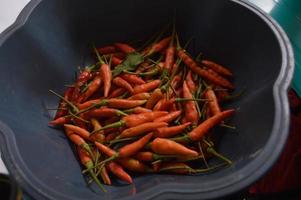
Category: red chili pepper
[222,94]
[116,61]
[60,121]
[202,72]
[105,176]
[118,171]
[106,50]
[111,136]
[170,57]
[169,117]
[190,83]
[159,105]
[104,112]
[119,55]
[124,103]
[147,87]
[98,136]
[88,103]
[217,68]
[168,147]
[132,148]
[88,163]
[117,92]
[134,165]
[146,156]
[125,151]
[81,80]
[140,96]
[62,108]
[79,131]
[159,46]
[142,128]
[154,98]
[166,132]
[213,103]
[197,133]
[175,82]
[80,123]
[156,166]
[191,113]
[125,48]
[93,87]
[120,82]
[135,120]
[139,110]
[132,78]
[106,75]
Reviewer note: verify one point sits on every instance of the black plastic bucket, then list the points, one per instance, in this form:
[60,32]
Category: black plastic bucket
[9,190]
[51,37]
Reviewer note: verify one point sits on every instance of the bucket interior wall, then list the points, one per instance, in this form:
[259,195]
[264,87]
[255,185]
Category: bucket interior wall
[57,37]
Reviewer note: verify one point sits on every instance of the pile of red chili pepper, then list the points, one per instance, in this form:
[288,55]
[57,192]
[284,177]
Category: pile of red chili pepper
[147,110]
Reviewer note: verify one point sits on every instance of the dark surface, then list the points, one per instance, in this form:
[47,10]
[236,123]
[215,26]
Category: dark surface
[5,187]
[43,54]
[9,190]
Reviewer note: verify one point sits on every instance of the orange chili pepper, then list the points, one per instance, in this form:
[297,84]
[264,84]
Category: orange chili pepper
[106,50]
[191,113]
[166,132]
[93,87]
[154,98]
[217,68]
[132,78]
[169,117]
[120,82]
[125,48]
[202,72]
[106,75]
[213,103]
[140,96]
[142,128]
[147,87]
[118,171]
[197,133]
[168,147]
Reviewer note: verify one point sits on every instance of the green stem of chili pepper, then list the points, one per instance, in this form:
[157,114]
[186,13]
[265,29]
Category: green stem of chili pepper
[199,57]
[88,149]
[89,167]
[184,138]
[66,85]
[212,151]
[77,117]
[122,140]
[124,95]
[227,126]
[98,56]
[193,171]
[113,125]
[188,99]
[203,155]
[101,103]
[75,109]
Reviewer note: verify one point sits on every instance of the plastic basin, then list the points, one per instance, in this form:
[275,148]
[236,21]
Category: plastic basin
[42,48]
